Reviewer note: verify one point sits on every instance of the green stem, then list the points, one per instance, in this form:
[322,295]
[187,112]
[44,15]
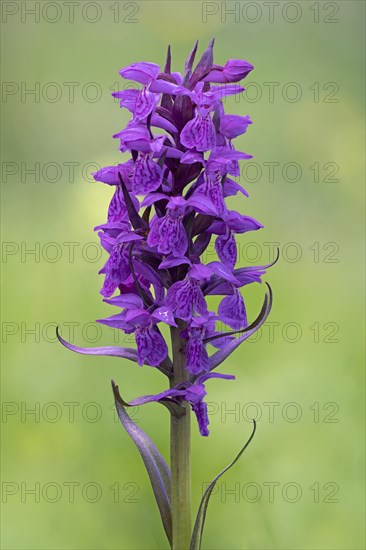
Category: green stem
[180,455]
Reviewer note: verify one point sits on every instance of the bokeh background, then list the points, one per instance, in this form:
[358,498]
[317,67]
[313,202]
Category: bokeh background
[300,485]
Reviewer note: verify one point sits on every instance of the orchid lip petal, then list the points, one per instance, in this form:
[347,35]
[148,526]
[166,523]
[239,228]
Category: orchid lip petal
[164,315]
[136,221]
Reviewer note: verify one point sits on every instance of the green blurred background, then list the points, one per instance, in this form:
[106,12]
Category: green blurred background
[300,485]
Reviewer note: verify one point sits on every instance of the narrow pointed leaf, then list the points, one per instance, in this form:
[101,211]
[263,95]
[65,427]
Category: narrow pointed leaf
[165,113]
[190,60]
[155,464]
[136,221]
[143,295]
[166,100]
[186,173]
[162,158]
[166,367]
[201,223]
[201,243]
[113,351]
[204,65]
[202,510]
[168,61]
[182,111]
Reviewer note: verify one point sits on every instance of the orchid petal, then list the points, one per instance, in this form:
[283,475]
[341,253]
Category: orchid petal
[162,86]
[153,197]
[165,315]
[161,122]
[223,271]
[143,72]
[202,204]
[217,358]
[174,261]
[128,301]
[233,126]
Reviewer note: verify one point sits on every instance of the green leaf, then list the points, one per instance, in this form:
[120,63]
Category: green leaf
[202,510]
[155,464]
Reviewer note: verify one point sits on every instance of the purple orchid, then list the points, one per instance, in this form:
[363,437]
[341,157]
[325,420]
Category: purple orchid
[199,331]
[169,201]
[233,71]
[197,359]
[200,132]
[186,297]
[225,244]
[194,394]
[168,232]
[151,346]
[140,102]
[213,181]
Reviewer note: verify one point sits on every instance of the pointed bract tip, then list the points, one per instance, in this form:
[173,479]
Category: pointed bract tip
[168,61]
[277,256]
[117,395]
[270,293]
[115,390]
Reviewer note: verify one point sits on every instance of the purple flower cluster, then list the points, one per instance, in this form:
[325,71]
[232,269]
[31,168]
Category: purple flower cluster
[168,204]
